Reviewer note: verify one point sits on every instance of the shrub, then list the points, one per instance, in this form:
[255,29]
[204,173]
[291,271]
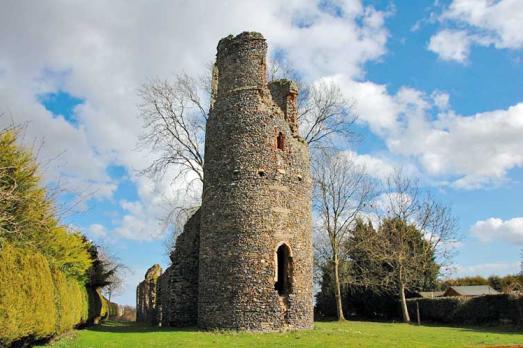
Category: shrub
[43,264]
[27,215]
[27,302]
[488,309]
[491,309]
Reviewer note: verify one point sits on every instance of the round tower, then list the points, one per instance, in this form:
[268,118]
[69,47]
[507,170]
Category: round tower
[255,270]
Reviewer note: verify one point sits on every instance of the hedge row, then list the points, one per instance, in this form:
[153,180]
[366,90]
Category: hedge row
[488,309]
[37,301]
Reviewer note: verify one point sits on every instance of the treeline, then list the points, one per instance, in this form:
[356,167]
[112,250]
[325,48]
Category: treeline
[50,275]
[121,312]
[369,281]
[508,284]
[369,302]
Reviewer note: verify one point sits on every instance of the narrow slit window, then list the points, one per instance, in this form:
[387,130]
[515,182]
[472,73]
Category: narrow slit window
[280,141]
[284,270]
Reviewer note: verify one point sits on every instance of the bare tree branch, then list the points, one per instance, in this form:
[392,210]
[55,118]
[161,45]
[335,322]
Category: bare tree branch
[341,191]
[174,115]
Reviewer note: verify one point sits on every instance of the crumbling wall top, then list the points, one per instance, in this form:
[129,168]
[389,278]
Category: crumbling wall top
[240,64]
[232,43]
[154,272]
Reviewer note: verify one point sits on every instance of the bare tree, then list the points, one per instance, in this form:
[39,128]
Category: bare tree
[414,230]
[323,114]
[174,115]
[341,191]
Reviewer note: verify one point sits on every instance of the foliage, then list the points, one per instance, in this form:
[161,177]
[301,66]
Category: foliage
[369,281]
[36,299]
[23,205]
[26,295]
[103,270]
[512,283]
[27,216]
[406,256]
[43,264]
[71,302]
[325,334]
[473,280]
[488,309]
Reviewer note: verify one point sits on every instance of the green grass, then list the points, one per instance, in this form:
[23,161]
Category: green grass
[325,334]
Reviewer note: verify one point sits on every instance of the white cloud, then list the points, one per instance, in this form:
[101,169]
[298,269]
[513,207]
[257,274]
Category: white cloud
[451,45]
[98,230]
[481,148]
[473,150]
[441,100]
[484,22]
[502,20]
[376,167]
[103,52]
[494,229]
[372,103]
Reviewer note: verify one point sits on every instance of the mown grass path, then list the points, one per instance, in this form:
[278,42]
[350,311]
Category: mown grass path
[325,334]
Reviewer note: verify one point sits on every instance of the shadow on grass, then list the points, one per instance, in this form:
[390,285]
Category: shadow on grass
[134,327]
[492,329]
[505,330]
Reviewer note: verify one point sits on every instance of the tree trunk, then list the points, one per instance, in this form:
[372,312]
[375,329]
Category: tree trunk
[339,306]
[404,310]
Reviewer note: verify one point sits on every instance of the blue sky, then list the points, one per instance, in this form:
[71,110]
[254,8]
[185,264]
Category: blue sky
[437,86]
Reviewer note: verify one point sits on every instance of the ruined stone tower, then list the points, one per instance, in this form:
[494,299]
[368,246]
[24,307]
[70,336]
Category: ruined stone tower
[255,261]
[244,259]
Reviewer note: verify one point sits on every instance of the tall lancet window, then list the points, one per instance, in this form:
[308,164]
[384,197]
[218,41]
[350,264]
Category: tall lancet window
[284,270]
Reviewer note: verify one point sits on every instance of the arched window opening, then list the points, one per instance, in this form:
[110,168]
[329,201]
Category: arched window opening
[284,270]
[280,141]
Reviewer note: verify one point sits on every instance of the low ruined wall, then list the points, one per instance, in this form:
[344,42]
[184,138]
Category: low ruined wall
[146,296]
[171,298]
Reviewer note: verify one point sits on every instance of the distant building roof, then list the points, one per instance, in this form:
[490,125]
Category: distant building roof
[431,294]
[472,290]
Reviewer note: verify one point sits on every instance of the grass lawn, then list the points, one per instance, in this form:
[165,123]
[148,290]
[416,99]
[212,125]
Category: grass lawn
[325,334]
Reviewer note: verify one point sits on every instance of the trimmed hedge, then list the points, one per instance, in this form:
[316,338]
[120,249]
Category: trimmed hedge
[38,301]
[488,309]
[27,299]
[70,301]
